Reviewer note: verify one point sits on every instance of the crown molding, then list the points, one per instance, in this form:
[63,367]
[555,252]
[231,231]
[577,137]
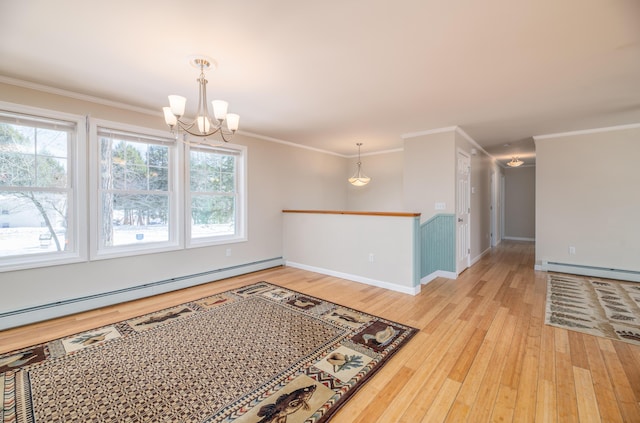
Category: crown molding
[97,100]
[428,132]
[289,143]
[75,95]
[587,131]
[472,141]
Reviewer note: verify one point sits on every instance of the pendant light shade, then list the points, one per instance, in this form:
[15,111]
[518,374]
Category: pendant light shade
[359,179]
[515,162]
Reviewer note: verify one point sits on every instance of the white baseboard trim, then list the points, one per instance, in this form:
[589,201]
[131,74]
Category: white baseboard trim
[599,272]
[42,312]
[438,274]
[518,238]
[356,278]
[478,257]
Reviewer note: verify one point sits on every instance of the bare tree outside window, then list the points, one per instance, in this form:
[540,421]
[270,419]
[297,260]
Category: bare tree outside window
[134,182]
[213,193]
[34,188]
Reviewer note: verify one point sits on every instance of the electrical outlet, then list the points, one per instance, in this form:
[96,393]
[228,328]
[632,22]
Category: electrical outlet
[228,252]
[372,258]
[572,250]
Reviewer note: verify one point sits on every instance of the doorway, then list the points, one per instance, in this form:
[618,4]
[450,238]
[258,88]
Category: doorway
[463,211]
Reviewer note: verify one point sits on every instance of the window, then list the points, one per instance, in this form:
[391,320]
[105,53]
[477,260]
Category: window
[216,195]
[41,187]
[135,196]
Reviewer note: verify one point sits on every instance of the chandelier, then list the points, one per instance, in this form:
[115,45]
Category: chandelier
[359,179]
[204,125]
[515,162]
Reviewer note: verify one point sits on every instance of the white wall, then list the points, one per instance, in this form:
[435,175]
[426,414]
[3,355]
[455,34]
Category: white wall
[384,192]
[376,250]
[429,173]
[279,176]
[588,197]
[520,203]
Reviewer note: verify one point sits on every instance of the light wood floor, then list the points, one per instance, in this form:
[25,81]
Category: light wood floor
[483,352]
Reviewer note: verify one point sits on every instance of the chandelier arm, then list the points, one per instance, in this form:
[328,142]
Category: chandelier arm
[185,127]
[197,132]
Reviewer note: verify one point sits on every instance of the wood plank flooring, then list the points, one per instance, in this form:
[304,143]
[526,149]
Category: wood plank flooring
[483,353]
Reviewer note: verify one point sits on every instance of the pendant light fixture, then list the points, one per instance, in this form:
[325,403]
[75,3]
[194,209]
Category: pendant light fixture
[359,179]
[515,162]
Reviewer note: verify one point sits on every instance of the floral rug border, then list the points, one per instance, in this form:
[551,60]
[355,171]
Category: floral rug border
[311,389]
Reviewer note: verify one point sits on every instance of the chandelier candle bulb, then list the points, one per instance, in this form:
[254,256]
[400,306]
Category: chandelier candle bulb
[232,121]
[220,109]
[203,124]
[169,117]
[177,104]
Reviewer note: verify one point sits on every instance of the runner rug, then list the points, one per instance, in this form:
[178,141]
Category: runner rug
[260,353]
[605,308]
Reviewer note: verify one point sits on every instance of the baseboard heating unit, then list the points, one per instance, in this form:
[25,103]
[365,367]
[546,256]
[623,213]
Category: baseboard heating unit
[52,310]
[600,272]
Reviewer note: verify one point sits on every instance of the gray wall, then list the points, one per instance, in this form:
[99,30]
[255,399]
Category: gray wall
[520,203]
[384,192]
[588,197]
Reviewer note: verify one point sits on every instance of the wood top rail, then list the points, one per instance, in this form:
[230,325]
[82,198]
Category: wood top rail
[361,213]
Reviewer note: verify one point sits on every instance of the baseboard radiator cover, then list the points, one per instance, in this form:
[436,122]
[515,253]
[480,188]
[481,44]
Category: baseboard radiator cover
[52,310]
[600,272]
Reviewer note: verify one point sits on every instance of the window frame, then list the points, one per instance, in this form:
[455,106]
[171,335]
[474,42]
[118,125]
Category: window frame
[175,240]
[76,191]
[83,220]
[241,210]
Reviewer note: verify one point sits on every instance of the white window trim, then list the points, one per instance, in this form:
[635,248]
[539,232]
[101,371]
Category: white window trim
[176,239]
[77,212]
[241,203]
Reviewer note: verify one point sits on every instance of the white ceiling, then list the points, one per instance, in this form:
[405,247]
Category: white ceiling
[331,73]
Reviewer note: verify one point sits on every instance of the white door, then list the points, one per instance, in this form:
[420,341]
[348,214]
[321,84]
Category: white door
[493,209]
[463,210]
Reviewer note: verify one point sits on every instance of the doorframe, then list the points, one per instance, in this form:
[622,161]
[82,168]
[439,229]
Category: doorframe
[502,191]
[496,233]
[468,196]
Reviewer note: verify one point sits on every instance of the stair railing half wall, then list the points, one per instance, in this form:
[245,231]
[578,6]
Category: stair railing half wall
[438,248]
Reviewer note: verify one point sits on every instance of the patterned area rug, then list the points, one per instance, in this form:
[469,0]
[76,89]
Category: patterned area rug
[260,353]
[600,307]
